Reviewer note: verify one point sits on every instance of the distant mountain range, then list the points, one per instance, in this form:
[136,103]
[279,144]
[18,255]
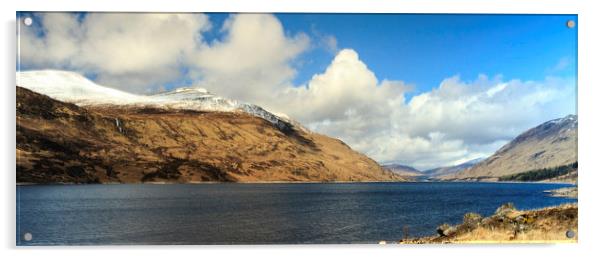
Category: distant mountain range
[431,174]
[546,148]
[71,130]
[437,173]
[403,170]
[550,145]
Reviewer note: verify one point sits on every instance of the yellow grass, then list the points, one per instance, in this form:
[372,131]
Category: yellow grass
[548,225]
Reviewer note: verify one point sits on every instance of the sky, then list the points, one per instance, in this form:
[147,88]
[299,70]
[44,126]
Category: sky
[421,90]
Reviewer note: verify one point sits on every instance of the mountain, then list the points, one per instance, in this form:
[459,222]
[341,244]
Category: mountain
[550,145]
[431,174]
[74,88]
[403,170]
[185,136]
[450,170]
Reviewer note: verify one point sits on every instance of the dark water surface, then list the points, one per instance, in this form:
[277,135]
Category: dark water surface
[257,213]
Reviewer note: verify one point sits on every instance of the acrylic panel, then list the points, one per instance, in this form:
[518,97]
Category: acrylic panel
[295,128]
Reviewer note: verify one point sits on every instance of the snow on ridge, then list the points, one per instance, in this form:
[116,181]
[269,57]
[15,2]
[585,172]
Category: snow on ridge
[74,88]
[567,119]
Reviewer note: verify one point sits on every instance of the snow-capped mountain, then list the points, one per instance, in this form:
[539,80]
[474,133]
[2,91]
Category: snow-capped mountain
[74,88]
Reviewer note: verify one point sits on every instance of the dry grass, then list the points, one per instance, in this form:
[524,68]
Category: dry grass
[548,225]
[483,235]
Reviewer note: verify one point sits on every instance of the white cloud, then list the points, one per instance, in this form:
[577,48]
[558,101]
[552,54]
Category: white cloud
[486,110]
[134,52]
[454,122]
[252,61]
[346,89]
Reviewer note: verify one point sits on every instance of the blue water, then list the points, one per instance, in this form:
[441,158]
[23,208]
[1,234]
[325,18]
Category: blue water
[257,213]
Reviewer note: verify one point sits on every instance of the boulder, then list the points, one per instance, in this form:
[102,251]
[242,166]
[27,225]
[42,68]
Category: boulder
[505,209]
[446,230]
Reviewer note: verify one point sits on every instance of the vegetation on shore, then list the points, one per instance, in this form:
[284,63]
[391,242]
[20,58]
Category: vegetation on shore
[541,174]
[507,224]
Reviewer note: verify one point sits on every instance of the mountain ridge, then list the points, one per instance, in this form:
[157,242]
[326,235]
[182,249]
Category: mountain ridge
[72,87]
[548,145]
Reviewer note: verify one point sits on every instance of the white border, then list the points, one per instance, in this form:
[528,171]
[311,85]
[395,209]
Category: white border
[358,6]
[589,22]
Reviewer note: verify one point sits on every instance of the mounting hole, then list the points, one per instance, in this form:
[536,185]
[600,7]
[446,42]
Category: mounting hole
[570,234]
[27,21]
[27,237]
[570,24]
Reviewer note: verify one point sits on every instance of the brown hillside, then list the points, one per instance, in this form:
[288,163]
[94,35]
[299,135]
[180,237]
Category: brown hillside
[548,145]
[62,143]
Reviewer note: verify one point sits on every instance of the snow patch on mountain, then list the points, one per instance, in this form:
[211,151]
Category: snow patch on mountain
[74,88]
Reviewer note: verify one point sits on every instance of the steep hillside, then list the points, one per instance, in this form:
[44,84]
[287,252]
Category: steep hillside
[550,145]
[59,142]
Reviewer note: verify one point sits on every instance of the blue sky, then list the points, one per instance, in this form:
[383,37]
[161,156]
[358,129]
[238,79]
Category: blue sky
[423,49]
[424,90]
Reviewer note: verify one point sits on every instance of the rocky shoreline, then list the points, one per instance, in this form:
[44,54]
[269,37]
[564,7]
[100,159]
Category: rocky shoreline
[509,225]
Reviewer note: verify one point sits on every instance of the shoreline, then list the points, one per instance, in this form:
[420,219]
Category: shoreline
[510,182]
[553,224]
[564,192]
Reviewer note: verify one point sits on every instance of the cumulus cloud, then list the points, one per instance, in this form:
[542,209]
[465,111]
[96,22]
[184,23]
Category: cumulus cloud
[134,52]
[460,109]
[346,88]
[252,61]
[456,121]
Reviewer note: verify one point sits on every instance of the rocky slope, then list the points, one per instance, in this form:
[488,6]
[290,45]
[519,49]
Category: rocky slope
[551,144]
[59,142]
